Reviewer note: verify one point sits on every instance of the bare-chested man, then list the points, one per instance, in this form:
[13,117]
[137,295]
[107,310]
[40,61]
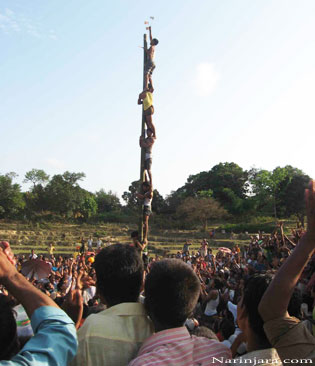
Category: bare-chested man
[146,98]
[150,65]
[147,197]
[147,144]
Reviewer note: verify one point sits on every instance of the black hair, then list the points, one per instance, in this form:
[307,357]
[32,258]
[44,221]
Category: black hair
[171,292]
[119,273]
[227,328]
[218,284]
[154,41]
[134,234]
[254,289]
[294,307]
[204,332]
[8,334]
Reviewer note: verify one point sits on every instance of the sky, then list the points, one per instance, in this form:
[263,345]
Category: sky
[234,82]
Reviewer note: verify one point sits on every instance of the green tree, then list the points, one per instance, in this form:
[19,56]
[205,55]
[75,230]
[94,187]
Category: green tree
[130,196]
[200,210]
[158,202]
[107,201]
[87,207]
[223,181]
[11,198]
[64,195]
[36,176]
[291,197]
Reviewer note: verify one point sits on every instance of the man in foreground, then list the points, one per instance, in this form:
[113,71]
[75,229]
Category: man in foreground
[171,294]
[287,334]
[114,336]
[54,342]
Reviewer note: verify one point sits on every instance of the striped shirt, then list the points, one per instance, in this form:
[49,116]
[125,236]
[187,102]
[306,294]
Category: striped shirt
[176,347]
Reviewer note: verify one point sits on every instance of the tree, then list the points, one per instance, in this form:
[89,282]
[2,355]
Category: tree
[200,210]
[221,179]
[64,195]
[11,198]
[87,207]
[280,191]
[107,201]
[158,202]
[291,198]
[130,197]
[36,176]
[73,178]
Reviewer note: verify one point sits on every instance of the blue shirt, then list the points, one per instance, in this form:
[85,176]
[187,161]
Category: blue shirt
[54,342]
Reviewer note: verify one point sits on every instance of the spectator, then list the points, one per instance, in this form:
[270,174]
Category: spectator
[114,336]
[54,342]
[251,323]
[171,293]
[287,334]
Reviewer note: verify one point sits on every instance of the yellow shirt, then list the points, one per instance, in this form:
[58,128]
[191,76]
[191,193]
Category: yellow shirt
[147,101]
[113,336]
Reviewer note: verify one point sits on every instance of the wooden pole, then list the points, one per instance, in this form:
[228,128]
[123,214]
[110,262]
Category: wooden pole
[142,173]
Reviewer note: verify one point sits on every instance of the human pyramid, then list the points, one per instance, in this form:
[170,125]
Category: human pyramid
[146,100]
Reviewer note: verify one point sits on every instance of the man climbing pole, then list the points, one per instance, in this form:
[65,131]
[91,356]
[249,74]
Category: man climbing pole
[147,144]
[146,98]
[147,197]
[150,65]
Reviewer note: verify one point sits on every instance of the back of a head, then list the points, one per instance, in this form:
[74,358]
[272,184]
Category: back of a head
[8,330]
[254,289]
[204,332]
[227,328]
[119,273]
[171,292]
[154,42]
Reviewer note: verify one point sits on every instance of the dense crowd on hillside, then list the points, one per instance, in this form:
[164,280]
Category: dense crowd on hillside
[249,304]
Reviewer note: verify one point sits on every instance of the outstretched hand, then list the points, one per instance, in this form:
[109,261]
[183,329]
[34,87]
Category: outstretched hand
[7,269]
[73,306]
[310,209]
[7,251]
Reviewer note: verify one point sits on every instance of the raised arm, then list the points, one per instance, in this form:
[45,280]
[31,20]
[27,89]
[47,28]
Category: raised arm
[150,34]
[54,342]
[275,301]
[28,295]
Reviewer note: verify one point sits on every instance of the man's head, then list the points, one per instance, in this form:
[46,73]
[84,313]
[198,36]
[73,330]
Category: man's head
[119,273]
[146,186]
[8,334]
[154,42]
[248,317]
[171,293]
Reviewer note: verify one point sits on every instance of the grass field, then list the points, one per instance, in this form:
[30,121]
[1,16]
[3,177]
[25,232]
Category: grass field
[65,237]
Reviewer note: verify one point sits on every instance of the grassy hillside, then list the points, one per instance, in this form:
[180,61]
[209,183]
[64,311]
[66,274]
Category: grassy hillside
[66,237]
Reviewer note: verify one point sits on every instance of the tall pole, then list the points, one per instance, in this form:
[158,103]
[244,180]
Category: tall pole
[142,173]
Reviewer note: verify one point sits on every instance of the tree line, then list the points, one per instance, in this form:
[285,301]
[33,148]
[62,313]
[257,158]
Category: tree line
[225,191]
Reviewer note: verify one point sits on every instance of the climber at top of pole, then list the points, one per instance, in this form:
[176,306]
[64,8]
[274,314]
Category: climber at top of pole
[150,65]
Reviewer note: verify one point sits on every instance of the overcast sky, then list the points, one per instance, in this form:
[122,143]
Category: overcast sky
[234,81]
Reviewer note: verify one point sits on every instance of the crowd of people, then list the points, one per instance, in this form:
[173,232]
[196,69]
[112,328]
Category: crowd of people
[250,304]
